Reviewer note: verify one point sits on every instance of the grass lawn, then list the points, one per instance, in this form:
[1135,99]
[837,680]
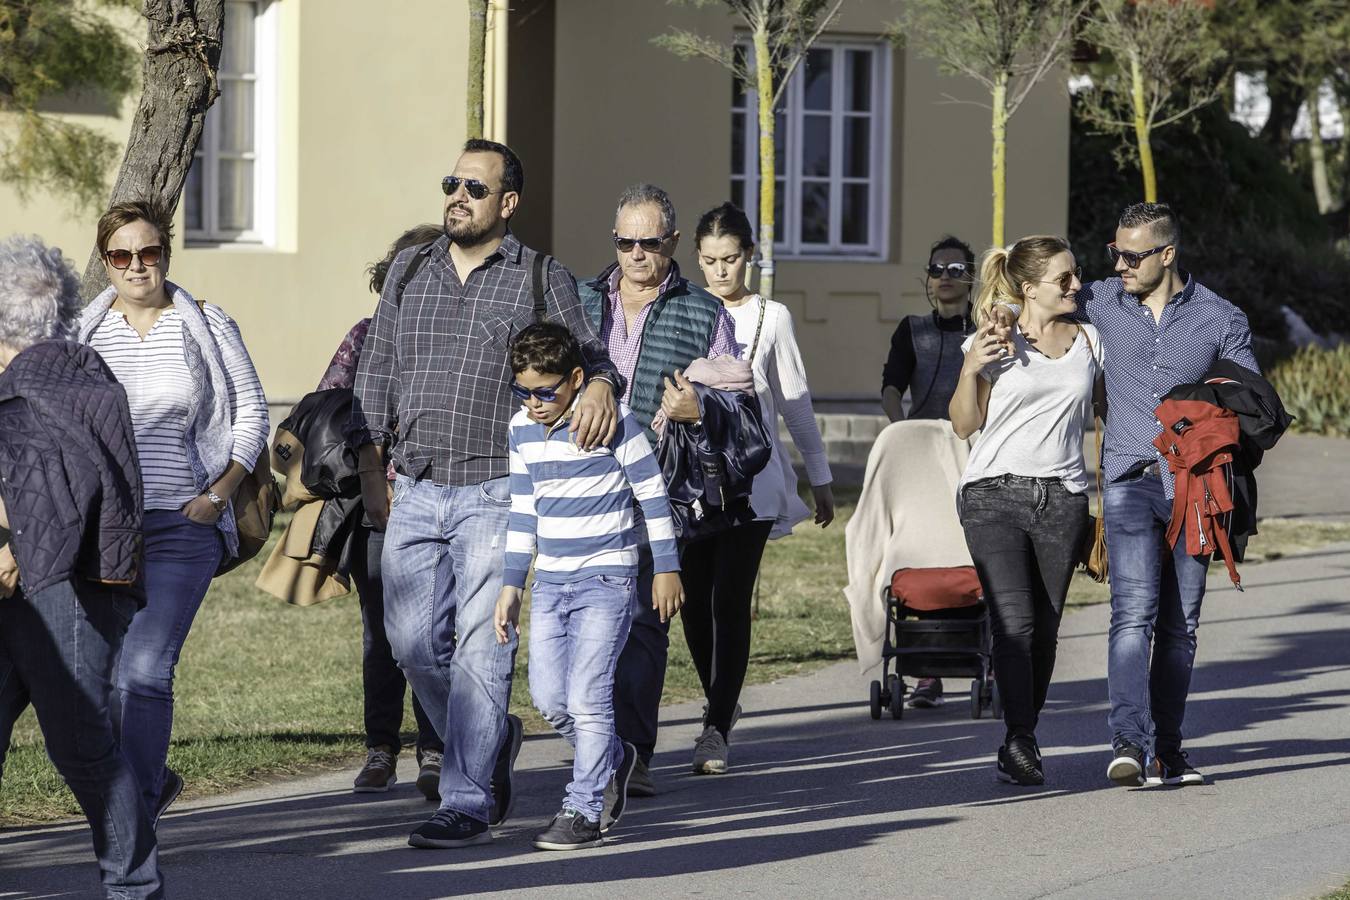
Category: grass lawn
[267,689]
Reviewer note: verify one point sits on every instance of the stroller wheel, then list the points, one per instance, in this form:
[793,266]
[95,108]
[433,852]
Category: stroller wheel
[876,699]
[896,697]
[976,698]
[996,704]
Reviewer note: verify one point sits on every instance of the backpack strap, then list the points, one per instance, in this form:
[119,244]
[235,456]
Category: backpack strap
[411,271]
[539,286]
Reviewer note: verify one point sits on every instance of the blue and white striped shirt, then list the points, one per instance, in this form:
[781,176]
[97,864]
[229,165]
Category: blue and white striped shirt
[1146,358]
[576,506]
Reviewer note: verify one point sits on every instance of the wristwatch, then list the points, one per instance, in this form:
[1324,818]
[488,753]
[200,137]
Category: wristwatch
[216,500]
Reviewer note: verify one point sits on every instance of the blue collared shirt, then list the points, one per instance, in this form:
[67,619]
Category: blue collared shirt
[1146,358]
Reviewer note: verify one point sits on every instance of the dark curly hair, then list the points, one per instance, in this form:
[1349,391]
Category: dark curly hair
[413,237]
[546,347]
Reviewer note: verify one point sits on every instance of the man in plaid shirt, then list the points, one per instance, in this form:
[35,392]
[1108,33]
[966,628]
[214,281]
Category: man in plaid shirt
[433,382]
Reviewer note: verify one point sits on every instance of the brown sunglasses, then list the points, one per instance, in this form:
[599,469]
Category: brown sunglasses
[121,259]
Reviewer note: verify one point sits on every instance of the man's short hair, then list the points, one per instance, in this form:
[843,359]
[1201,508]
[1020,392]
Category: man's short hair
[644,194]
[546,347]
[513,173]
[1157,216]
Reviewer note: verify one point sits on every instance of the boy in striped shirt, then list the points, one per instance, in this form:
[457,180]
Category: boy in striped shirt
[576,508]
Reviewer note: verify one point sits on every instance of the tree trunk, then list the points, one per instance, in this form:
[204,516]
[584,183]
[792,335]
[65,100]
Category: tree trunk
[767,185]
[1286,96]
[1317,151]
[1141,131]
[1000,168]
[477,54]
[178,76]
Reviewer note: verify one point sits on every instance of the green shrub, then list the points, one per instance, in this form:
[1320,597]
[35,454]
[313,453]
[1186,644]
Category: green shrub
[1315,387]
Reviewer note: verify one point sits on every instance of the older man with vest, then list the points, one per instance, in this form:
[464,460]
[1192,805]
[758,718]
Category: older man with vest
[654,323]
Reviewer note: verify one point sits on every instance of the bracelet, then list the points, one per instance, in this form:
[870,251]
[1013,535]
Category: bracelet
[216,500]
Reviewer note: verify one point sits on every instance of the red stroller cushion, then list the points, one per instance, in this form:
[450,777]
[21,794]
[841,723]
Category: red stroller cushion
[930,590]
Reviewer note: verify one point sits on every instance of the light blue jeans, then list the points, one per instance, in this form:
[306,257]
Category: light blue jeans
[576,633]
[1156,593]
[443,552]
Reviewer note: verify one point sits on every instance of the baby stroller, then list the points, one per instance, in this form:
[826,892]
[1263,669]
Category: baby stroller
[937,625]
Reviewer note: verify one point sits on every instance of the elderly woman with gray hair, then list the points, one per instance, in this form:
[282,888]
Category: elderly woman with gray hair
[72,553]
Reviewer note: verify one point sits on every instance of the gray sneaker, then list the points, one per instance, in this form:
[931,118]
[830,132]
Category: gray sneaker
[429,775]
[640,783]
[377,775]
[710,752]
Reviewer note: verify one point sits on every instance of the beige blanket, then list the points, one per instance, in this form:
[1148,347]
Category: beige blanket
[906,516]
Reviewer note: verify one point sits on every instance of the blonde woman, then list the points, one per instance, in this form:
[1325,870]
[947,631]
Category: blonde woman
[1022,499]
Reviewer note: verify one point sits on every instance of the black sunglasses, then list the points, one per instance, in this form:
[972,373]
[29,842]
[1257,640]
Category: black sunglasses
[1065,281]
[651,245]
[475,188]
[544,395]
[121,259]
[956,270]
[1132,259]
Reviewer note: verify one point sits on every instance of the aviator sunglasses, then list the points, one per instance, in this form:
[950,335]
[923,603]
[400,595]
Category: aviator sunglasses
[475,188]
[956,270]
[543,395]
[650,245]
[121,259]
[1132,259]
[1065,281]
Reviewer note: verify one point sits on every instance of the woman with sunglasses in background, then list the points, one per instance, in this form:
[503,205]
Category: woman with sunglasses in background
[200,420]
[1022,499]
[925,356]
[925,359]
[719,573]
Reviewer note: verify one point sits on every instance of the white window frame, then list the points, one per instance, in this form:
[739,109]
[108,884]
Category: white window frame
[788,243]
[263,155]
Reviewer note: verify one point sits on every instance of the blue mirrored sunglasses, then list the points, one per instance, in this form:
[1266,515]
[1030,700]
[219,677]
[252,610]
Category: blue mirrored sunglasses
[544,395]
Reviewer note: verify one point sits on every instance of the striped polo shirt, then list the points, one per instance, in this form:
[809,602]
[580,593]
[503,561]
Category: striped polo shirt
[576,506]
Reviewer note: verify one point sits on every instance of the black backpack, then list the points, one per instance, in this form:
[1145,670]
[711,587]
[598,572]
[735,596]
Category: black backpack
[538,280]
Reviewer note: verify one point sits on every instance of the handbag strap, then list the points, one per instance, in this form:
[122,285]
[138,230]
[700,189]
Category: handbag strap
[1096,422]
[759,327]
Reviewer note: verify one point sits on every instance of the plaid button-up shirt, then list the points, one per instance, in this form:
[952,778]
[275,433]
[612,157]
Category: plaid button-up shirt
[435,367]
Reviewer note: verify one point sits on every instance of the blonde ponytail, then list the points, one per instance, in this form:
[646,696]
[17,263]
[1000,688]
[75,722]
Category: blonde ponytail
[1004,270]
[995,285]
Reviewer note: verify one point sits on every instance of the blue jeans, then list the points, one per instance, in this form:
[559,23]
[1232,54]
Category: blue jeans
[181,558]
[443,552]
[1156,593]
[58,649]
[576,633]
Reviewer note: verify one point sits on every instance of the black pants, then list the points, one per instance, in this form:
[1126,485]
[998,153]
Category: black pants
[382,680]
[640,674]
[719,581]
[1024,536]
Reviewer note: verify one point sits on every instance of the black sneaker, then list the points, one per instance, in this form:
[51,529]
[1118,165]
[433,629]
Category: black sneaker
[168,792]
[926,694]
[505,770]
[1019,762]
[640,783]
[448,829]
[616,792]
[1174,769]
[569,830]
[1127,765]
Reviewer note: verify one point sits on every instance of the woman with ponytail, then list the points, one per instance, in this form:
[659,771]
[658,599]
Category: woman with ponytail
[1029,392]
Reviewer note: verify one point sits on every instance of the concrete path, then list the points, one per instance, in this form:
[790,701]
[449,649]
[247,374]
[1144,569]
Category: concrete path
[824,802]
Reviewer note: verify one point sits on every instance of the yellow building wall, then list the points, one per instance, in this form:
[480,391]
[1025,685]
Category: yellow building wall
[371,115]
[628,111]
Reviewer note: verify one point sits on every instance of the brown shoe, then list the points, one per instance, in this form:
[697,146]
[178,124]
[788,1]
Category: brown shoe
[377,775]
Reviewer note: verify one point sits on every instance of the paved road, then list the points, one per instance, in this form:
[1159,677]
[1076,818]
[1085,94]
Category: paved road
[822,801]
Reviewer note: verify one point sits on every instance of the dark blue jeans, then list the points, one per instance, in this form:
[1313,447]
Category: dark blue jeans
[1024,535]
[58,650]
[1156,593]
[382,681]
[640,675]
[181,558]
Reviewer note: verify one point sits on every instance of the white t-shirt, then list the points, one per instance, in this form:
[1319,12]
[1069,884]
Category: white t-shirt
[1038,411]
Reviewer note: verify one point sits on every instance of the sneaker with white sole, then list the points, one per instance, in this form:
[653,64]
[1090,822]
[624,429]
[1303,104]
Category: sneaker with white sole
[926,694]
[710,752]
[1127,764]
[1173,768]
[448,829]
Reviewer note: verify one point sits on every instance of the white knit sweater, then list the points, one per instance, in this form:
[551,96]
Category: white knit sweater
[780,382]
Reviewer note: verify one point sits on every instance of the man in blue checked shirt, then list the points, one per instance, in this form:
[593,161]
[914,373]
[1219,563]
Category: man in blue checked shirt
[575,508]
[1160,328]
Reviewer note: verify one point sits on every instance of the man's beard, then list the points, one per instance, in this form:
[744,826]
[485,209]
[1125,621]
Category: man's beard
[465,232]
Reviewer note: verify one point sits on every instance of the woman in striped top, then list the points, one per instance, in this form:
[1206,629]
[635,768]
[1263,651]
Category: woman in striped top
[719,575]
[200,420]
